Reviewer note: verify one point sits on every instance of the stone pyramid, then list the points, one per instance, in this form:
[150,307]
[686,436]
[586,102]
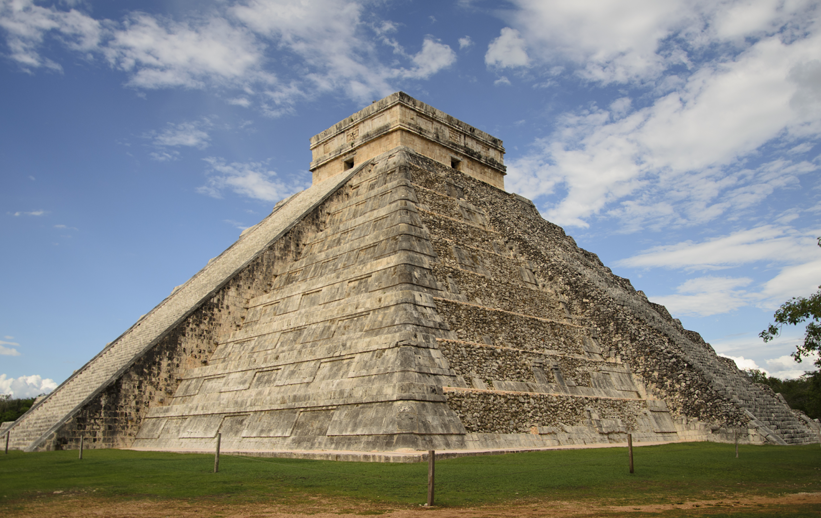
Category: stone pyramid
[405,302]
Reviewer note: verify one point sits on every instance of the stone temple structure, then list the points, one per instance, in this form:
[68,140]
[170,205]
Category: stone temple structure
[405,302]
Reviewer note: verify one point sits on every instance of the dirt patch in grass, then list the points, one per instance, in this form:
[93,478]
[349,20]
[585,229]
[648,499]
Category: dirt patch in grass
[85,506]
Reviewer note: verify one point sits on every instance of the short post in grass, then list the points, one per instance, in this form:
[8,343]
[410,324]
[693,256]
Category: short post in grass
[736,443]
[7,441]
[431,471]
[217,454]
[81,447]
[630,449]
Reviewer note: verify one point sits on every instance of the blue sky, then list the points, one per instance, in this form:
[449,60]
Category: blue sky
[679,141]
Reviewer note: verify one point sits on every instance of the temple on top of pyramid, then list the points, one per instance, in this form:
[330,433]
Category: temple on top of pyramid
[405,302]
[400,120]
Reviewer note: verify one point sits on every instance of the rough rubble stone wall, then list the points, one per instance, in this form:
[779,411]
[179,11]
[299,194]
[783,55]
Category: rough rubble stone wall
[517,265]
[500,413]
[524,362]
[576,290]
[479,324]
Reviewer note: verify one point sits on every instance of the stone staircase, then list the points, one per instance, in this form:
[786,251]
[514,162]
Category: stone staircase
[775,419]
[28,431]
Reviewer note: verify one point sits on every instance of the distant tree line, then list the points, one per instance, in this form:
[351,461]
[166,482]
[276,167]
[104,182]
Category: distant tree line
[802,393]
[11,409]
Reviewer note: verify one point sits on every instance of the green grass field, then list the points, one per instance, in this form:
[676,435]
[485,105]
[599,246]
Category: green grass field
[663,474]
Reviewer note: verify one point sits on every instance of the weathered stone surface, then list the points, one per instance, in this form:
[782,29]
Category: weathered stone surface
[404,305]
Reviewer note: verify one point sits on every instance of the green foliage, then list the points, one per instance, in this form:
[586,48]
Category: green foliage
[796,311]
[664,474]
[11,409]
[803,393]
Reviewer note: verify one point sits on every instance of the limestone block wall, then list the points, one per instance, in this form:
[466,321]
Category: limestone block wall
[40,426]
[341,353]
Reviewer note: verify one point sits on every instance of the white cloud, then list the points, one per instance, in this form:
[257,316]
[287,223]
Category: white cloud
[189,134]
[745,363]
[800,280]
[27,24]
[8,351]
[782,244]
[26,386]
[689,147]
[324,46]
[610,40]
[238,225]
[801,148]
[790,251]
[785,367]
[706,296]
[433,57]
[329,37]
[165,156]
[680,160]
[160,53]
[32,213]
[252,179]
[240,101]
[465,42]
[615,41]
[502,81]
[508,50]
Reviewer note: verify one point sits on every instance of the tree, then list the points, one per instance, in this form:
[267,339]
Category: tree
[802,393]
[794,312]
[11,409]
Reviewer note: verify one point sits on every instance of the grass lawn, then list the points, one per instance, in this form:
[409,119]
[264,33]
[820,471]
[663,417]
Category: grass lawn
[666,474]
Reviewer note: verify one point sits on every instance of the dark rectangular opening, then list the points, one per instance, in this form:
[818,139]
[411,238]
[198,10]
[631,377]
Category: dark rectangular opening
[455,163]
[348,164]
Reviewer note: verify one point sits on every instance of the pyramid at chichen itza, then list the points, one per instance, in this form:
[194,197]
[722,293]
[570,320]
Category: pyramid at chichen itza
[405,302]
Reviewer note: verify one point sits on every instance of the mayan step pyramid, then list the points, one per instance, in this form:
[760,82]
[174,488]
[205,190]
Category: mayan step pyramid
[405,302]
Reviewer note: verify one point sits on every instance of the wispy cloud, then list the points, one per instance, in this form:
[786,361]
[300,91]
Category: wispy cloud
[782,244]
[161,53]
[231,47]
[27,26]
[165,156]
[240,101]
[250,179]
[236,224]
[188,134]
[707,295]
[782,249]
[32,213]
